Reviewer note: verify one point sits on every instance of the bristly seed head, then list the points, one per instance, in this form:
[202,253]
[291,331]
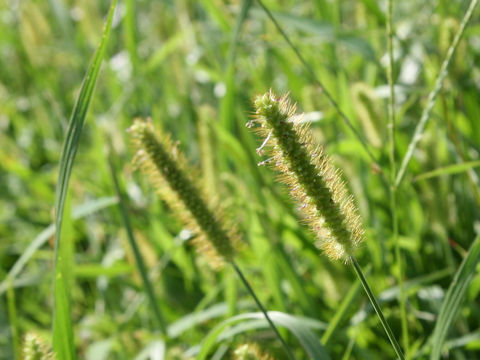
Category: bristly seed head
[313,180]
[165,165]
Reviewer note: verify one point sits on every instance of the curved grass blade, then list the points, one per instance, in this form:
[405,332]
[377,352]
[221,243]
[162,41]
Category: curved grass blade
[418,134]
[448,170]
[300,327]
[454,297]
[62,329]
[190,320]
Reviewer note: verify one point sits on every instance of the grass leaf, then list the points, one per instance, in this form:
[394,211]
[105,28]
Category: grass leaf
[448,170]
[454,297]
[300,327]
[62,329]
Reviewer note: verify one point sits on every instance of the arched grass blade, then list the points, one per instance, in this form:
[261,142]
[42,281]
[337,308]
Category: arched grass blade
[299,327]
[454,297]
[62,329]
[448,170]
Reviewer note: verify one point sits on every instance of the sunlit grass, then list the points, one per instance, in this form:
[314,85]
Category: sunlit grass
[195,68]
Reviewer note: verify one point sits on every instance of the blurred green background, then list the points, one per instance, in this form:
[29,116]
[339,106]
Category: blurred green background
[194,67]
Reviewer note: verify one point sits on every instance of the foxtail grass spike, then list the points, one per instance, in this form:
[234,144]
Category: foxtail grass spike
[160,159]
[313,180]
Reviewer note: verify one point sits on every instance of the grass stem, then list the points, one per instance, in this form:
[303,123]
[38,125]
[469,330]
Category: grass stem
[263,310]
[377,308]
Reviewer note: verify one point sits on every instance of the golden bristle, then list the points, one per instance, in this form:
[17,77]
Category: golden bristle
[313,180]
[161,160]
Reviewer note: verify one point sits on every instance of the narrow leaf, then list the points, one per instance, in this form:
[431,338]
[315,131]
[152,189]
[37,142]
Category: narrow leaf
[453,299]
[448,170]
[62,329]
[300,327]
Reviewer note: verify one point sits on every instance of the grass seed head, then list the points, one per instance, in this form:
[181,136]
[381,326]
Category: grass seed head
[160,159]
[312,178]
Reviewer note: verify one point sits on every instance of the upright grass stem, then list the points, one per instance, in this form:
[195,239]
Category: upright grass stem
[377,308]
[393,189]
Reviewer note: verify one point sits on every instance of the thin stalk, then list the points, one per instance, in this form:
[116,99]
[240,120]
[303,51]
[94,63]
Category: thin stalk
[13,319]
[262,309]
[377,308]
[393,189]
[418,134]
[316,80]
[136,251]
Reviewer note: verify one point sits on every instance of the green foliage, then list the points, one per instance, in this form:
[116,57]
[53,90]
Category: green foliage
[194,67]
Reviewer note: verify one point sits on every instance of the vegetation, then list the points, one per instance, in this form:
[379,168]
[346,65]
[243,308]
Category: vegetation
[389,90]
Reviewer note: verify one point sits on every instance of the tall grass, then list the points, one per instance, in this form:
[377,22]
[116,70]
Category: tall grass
[129,283]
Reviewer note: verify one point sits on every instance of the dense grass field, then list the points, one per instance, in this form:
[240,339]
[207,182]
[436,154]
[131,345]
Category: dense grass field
[398,112]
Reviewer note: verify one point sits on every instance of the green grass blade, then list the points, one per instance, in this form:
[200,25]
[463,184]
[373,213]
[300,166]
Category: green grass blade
[63,341]
[448,170]
[454,297]
[13,319]
[299,327]
[130,31]
[216,14]
[62,329]
[418,134]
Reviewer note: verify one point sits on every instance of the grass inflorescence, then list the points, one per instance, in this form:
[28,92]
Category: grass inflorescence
[316,185]
[166,167]
[313,180]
